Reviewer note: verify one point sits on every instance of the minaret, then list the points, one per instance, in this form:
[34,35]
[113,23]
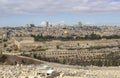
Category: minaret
[47,23]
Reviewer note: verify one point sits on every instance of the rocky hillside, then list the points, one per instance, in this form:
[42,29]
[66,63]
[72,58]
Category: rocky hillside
[13,60]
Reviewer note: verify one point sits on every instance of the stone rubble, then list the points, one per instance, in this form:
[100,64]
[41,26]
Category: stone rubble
[36,71]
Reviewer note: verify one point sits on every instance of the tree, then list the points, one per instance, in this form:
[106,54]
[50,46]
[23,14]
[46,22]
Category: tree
[57,46]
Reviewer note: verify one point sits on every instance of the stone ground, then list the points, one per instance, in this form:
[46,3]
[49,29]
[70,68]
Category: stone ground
[91,72]
[30,71]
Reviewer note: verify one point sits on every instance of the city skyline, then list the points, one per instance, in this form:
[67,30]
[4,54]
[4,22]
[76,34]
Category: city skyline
[98,12]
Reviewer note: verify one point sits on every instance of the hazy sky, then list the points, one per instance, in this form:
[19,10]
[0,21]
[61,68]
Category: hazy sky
[21,12]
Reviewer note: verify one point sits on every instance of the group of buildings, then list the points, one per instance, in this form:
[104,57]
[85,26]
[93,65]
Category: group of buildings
[19,39]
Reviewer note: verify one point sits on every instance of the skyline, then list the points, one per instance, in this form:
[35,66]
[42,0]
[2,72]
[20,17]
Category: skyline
[99,12]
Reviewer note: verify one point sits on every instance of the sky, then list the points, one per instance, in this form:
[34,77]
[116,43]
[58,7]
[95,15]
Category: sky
[21,12]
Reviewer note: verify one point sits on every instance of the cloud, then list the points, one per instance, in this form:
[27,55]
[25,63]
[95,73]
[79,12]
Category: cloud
[43,23]
[58,6]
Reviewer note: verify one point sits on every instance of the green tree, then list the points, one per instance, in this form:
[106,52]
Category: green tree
[57,46]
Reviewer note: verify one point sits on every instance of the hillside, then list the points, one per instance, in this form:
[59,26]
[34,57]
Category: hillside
[13,60]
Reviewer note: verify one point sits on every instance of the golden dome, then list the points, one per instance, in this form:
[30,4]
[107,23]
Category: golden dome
[66,32]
